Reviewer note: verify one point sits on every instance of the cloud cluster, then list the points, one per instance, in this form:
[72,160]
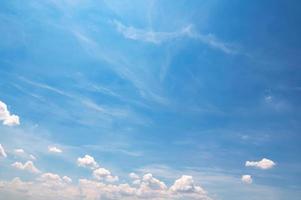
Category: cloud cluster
[28,166]
[262,164]
[52,186]
[7,118]
[48,186]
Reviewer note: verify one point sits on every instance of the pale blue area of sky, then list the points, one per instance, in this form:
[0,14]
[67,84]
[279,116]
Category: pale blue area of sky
[183,86]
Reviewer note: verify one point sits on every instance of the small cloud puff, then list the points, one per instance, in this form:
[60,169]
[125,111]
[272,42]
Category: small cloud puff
[87,161]
[54,149]
[262,164]
[246,179]
[7,118]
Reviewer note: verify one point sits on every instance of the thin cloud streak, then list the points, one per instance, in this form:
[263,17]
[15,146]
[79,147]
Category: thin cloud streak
[188,31]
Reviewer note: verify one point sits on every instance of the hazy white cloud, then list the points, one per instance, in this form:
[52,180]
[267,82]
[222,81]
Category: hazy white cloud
[32,157]
[155,37]
[19,151]
[28,166]
[67,179]
[7,118]
[2,152]
[262,164]
[246,179]
[133,176]
[53,149]
[87,161]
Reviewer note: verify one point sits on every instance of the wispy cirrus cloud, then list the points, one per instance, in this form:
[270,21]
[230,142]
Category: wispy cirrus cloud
[157,37]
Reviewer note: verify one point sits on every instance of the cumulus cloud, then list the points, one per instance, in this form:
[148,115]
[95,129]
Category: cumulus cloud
[87,161]
[246,179]
[185,184]
[53,149]
[7,118]
[2,152]
[50,186]
[28,166]
[104,174]
[262,164]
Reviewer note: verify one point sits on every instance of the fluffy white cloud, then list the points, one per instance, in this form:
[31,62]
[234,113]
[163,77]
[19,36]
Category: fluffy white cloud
[54,150]
[87,161]
[7,118]
[246,179]
[2,152]
[185,184]
[28,166]
[150,182]
[104,174]
[262,164]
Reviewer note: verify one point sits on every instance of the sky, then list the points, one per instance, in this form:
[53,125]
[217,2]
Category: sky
[108,99]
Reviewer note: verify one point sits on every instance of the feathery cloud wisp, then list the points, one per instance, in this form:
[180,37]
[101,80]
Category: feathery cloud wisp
[2,152]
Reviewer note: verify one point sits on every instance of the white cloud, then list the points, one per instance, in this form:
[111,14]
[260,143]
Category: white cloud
[262,164]
[2,152]
[7,118]
[52,186]
[87,161]
[148,181]
[104,174]
[54,150]
[32,157]
[28,166]
[246,179]
[19,151]
[185,184]
[151,36]
[67,179]
[133,176]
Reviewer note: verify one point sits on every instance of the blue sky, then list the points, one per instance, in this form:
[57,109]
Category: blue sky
[197,99]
